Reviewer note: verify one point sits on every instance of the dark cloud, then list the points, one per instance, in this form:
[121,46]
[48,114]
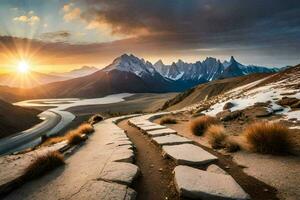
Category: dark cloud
[202,23]
[57,36]
[188,16]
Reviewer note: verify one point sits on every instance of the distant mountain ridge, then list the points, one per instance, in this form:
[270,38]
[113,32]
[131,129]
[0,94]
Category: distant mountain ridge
[129,73]
[75,73]
[208,70]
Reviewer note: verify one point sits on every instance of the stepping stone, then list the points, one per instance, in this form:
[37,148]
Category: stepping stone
[198,184]
[170,140]
[123,173]
[216,169]
[152,127]
[161,132]
[125,155]
[140,122]
[188,154]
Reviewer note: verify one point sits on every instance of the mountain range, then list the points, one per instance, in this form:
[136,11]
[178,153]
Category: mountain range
[34,79]
[129,73]
[208,70]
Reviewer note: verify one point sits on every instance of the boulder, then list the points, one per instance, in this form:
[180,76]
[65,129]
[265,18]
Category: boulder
[226,115]
[228,106]
[288,101]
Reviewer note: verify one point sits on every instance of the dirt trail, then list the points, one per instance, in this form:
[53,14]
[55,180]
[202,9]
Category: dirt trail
[156,180]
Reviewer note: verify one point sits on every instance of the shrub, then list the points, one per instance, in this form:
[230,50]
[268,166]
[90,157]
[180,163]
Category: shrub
[85,128]
[199,125]
[53,140]
[43,164]
[231,145]
[95,119]
[168,120]
[216,136]
[74,137]
[269,138]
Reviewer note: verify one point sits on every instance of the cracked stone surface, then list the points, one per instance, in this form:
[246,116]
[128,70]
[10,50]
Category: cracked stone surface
[12,166]
[77,179]
[161,132]
[171,140]
[198,184]
[123,173]
[188,154]
[95,190]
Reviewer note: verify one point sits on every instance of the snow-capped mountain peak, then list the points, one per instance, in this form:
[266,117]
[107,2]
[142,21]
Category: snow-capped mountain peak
[131,63]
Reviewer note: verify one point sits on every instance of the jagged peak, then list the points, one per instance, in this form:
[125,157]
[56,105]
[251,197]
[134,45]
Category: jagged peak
[232,59]
[159,62]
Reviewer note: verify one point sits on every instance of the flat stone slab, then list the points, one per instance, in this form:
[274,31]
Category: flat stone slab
[13,166]
[95,190]
[171,139]
[161,132]
[80,177]
[123,173]
[123,156]
[152,127]
[216,169]
[198,184]
[188,154]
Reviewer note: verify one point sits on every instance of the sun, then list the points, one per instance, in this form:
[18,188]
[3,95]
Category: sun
[23,67]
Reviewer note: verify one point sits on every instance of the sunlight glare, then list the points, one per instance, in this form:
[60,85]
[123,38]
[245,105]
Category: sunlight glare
[23,67]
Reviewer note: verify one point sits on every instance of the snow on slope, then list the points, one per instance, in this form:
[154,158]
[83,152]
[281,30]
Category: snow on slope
[130,63]
[247,95]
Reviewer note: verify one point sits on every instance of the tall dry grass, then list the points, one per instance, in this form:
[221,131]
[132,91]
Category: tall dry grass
[216,136]
[167,120]
[43,164]
[268,138]
[200,124]
[73,137]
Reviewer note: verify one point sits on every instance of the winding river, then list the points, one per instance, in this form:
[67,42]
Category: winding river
[54,119]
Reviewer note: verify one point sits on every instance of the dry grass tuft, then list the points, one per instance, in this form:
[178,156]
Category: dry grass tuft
[53,140]
[43,164]
[216,136]
[85,128]
[95,119]
[167,120]
[231,145]
[74,137]
[199,125]
[269,138]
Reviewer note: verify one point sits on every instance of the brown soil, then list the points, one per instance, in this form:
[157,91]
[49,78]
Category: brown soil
[153,183]
[257,189]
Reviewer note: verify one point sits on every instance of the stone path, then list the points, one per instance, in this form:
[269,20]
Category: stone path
[171,139]
[100,169]
[13,166]
[161,132]
[213,184]
[188,154]
[195,183]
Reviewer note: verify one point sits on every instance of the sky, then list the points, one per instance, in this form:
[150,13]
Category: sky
[59,35]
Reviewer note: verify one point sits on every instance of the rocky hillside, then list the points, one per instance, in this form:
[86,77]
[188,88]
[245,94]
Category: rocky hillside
[15,119]
[277,94]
